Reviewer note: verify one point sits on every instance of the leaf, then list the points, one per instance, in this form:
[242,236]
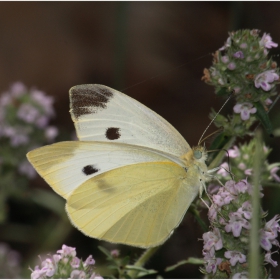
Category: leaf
[196,261]
[263,118]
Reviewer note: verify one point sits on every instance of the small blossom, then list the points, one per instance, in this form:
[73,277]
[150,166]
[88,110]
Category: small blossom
[240,275]
[48,267]
[243,46]
[234,153]
[225,59]
[238,54]
[273,173]
[212,213]
[17,89]
[235,257]
[268,259]
[269,233]
[236,223]
[37,273]
[246,210]
[89,261]
[67,251]
[212,239]
[242,186]
[115,253]
[248,171]
[268,102]
[231,66]
[28,113]
[223,169]
[226,45]
[267,42]
[51,132]
[265,79]
[245,109]
[211,265]
[75,263]
[241,166]
[27,169]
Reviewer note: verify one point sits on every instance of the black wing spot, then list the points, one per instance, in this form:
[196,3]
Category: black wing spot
[90,169]
[89,99]
[113,133]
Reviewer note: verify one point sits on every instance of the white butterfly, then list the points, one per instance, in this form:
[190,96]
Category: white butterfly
[131,177]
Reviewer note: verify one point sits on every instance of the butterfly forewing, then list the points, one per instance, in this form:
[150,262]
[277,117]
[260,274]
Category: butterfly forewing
[101,113]
[139,204]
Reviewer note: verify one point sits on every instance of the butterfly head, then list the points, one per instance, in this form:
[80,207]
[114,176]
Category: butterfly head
[196,155]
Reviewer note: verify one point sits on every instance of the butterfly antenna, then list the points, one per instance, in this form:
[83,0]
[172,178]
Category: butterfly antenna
[217,131]
[215,117]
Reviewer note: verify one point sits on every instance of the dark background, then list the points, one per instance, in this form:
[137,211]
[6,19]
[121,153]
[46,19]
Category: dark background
[152,51]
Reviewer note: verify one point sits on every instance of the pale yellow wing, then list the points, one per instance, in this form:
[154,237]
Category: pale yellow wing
[67,165]
[101,113]
[137,205]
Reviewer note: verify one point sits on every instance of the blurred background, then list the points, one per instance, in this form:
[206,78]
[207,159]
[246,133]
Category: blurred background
[153,51]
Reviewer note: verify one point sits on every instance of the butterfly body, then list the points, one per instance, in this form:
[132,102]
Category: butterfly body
[131,177]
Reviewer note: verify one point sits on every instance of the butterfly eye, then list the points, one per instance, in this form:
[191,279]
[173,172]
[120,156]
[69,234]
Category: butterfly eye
[197,154]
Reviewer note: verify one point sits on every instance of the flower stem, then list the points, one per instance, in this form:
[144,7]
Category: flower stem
[254,247]
[217,160]
[142,260]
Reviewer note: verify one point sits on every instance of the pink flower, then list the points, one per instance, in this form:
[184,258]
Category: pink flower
[268,102]
[51,132]
[212,239]
[89,261]
[266,41]
[115,253]
[225,59]
[223,197]
[273,173]
[223,169]
[265,79]
[268,259]
[238,54]
[248,171]
[27,169]
[236,223]
[235,257]
[28,113]
[67,251]
[240,275]
[245,109]
[231,66]
[212,265]
[246,210]
[234,153]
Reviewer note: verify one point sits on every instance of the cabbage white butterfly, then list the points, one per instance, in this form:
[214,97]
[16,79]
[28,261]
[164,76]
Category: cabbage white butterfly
[131,177]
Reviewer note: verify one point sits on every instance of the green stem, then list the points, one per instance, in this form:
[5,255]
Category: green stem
[254,248]
[142,260]
[218,159]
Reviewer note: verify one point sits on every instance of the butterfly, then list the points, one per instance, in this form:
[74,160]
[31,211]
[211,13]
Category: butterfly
[131,177]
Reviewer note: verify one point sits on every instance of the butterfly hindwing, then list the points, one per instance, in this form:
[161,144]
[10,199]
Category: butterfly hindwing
[101,113]
[138,204]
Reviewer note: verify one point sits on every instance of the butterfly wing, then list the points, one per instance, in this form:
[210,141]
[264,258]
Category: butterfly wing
[67,165]
[101,113]
[137,205]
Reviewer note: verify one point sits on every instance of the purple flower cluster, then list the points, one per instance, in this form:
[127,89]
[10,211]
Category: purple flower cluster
[229,216]
[65,264]
[24,121]
[241,163]
[269,236]
[20,107]
[9,262]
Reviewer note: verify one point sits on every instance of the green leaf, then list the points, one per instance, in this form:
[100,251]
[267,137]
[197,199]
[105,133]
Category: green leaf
[105,252]
[263,118]
[196,261]
[222,92]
